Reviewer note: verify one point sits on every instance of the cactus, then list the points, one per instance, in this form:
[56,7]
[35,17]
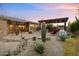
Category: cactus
[43,32]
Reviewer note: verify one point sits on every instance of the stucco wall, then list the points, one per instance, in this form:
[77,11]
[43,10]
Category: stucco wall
[3,28]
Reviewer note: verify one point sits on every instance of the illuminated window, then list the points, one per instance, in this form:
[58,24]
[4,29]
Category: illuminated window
[10,28]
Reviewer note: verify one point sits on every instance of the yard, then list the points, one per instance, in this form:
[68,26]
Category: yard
[43,43]
[53,47]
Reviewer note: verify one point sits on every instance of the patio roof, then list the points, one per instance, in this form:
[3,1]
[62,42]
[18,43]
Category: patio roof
[57,20]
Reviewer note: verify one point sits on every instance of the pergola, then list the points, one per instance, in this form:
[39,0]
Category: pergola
[57,20]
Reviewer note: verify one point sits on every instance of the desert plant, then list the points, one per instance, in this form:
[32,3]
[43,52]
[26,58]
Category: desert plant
[71,47]
[43,32]
[30,32]
[62,35]
[48,38]
[39,47]
[34,38]
[74,26]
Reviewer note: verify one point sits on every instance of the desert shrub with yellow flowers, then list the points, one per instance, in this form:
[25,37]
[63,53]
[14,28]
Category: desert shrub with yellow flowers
[71,46]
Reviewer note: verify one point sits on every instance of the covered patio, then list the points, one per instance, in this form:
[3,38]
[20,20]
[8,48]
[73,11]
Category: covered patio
[57,20]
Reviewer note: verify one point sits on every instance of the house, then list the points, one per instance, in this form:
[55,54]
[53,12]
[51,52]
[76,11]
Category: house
[12,24]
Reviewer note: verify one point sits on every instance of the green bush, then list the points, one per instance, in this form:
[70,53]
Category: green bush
[74,26]
[39,48]
[49,26]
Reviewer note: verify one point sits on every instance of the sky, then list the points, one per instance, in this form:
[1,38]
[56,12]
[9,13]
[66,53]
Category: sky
[40,11]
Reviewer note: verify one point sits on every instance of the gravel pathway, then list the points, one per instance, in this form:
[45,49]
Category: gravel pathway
[57,47]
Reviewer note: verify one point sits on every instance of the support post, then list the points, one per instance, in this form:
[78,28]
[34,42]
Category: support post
[64,25]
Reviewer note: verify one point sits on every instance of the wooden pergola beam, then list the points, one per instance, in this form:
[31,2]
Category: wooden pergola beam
[57,20]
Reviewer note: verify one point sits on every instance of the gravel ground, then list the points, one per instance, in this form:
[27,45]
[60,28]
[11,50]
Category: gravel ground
[53,46]
[8,46]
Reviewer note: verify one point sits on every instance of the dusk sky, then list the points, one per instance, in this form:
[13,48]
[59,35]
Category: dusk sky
[40,11]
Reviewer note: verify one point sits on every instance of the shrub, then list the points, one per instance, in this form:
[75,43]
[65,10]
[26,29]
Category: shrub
[39,47]
[49,27]
[74,26]
[48,38]
[30,32]
[62,35]
[34,38]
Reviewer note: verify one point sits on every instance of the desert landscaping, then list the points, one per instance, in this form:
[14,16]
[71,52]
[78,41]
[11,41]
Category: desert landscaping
[11,44]
[48,40]
[41,42]
[39,29]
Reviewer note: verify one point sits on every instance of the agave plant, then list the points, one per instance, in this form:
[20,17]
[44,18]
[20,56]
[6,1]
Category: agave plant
[62,35]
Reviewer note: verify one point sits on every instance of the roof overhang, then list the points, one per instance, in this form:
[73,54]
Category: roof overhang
[13,19]
[57,20]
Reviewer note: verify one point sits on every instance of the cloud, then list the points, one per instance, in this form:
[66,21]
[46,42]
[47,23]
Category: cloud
[50,6]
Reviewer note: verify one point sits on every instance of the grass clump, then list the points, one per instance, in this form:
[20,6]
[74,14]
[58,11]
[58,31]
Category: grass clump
[71,47]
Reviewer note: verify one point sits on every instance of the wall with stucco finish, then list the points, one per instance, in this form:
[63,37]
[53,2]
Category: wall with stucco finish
[3,28]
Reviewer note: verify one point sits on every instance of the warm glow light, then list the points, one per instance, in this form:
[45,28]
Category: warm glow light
[19,26]
[11,25]
[23,26]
